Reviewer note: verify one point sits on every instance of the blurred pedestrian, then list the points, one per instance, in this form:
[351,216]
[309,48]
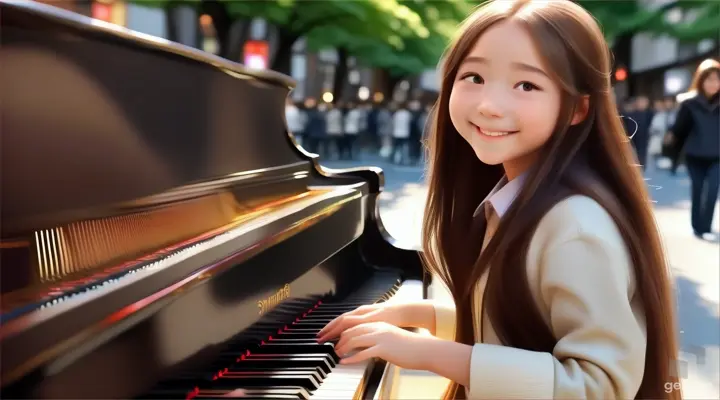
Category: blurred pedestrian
[697,132]
[334,118]
[315,130]
[352,124]
[402,126]
[642,117]
[296,120]
[385,128]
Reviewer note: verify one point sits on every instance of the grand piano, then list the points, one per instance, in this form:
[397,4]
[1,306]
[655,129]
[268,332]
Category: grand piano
[163,236]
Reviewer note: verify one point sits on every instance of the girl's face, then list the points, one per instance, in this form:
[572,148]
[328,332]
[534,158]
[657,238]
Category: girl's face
[503,101]
[711,85]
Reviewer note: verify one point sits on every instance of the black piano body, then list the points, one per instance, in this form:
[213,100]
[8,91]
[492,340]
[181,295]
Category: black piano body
[156,213]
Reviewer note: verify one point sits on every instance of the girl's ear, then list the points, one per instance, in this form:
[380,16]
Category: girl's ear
[581,110]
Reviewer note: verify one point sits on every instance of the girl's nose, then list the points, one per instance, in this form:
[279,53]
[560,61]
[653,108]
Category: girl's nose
[489,108]
[491,102]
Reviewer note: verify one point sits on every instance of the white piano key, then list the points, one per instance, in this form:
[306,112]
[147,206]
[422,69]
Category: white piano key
[343,381]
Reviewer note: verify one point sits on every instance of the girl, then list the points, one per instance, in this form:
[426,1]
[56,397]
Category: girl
[697,130]
[537,223]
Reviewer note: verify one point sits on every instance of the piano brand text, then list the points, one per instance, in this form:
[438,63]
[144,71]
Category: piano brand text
[273,300]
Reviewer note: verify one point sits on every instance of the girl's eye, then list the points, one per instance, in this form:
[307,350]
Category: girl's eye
[526,86]
[473,78]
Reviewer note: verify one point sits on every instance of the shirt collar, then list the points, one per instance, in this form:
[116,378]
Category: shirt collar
[502,195]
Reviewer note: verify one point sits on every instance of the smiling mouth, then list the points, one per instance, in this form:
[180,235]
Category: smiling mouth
[490,133]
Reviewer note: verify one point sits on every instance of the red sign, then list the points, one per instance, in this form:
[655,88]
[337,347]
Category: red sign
[102,11]
[256,53]
[620,74]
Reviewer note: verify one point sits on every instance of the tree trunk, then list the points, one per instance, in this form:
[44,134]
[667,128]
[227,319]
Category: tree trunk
[172,28]
[236,37]
[393,82]
[340,75]
[387,83]
[282,57]
[183,25]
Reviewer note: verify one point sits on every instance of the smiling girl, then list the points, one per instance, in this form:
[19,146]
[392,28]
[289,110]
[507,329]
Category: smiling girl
[537,220]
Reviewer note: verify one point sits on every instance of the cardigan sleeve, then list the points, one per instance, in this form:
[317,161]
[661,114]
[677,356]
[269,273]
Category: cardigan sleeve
[586,283]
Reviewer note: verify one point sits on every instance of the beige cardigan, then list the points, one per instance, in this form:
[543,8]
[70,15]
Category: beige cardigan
[581,276]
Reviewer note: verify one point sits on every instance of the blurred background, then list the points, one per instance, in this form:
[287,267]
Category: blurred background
[366,75]
[375,50]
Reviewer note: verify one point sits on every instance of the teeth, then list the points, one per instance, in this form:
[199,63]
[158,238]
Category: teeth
[493,133]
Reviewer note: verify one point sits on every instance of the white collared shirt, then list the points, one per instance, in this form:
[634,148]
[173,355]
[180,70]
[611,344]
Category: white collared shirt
[502,195]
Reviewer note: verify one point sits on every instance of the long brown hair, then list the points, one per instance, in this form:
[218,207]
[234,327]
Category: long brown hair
[702,72]
[592,158]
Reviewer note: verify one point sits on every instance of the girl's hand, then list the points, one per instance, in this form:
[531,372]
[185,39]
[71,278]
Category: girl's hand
[379,339]
[381,312]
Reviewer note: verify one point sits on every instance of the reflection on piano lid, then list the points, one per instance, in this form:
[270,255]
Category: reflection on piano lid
[162,233]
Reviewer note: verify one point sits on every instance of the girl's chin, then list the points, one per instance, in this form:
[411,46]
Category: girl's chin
[489,159]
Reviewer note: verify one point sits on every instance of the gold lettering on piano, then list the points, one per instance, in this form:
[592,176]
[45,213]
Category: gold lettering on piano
[273,300]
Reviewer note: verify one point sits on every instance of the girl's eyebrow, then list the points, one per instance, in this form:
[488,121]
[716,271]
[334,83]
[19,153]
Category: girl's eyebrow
[517,65]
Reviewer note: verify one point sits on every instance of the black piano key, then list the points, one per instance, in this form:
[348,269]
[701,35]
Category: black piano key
[303,330]
[298,349]
[318,372]
[321,356]
[184,379]
[310,325]
[269,358]
[285,362]
[311,339]
[247,381]
[276,393]
[319,317]
[325,314]
[341,306]
[251,393]
[291,334]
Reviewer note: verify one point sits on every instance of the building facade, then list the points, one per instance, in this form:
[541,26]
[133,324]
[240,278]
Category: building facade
[662,66]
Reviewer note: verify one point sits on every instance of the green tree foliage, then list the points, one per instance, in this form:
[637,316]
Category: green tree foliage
[441,19]
[405,37]
[621,17]
[700,20]
[331,23]
[327,23]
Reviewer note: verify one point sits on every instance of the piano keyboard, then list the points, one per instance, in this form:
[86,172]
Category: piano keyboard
[290,364]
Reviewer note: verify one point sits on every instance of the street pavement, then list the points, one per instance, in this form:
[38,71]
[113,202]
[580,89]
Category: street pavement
[695,263]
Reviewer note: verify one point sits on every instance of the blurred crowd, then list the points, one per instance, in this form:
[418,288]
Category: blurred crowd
[686,132]
[341,131]
[666,133]
[648,125]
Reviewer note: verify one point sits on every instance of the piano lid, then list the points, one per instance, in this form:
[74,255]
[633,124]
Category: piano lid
[101,116]
[60,16]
